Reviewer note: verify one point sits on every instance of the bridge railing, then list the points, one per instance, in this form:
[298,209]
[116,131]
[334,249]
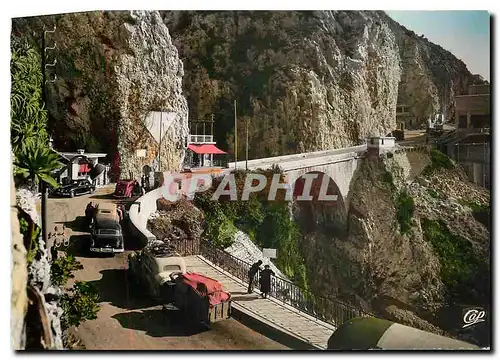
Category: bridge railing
[329,310]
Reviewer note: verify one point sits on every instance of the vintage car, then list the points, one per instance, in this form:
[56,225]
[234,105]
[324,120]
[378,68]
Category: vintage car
[370,333]
[152,267]
[106,231]
[74,188]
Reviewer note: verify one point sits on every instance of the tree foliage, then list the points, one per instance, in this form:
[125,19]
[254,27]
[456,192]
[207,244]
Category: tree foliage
[79,304]
[267,222]
[28,116]
[36,162]
[29,138]
[61,270]
[465,273]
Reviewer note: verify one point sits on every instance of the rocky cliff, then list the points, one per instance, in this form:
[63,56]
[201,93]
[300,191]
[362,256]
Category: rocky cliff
[431,76]
[309,80]
[303,81]
[113,68]
[414,246]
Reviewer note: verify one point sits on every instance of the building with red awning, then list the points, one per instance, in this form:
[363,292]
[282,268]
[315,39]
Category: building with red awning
[201,147]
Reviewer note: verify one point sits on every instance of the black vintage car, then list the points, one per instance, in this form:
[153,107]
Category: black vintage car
[75,188]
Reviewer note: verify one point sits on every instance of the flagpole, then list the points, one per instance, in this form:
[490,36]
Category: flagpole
[235,138]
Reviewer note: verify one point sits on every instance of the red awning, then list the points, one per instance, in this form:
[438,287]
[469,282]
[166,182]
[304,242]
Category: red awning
[84,168]
[205,149]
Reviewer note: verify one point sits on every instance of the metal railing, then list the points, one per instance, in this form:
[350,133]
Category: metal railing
[328,310]
[201,139]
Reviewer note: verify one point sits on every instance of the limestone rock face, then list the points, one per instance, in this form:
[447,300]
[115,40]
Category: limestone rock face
[19,299]
[38,271]
[304,80]
[308,81]
[396,275]
[431,76]
[113,68]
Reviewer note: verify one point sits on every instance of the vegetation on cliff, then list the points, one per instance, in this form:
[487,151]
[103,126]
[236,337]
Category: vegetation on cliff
[267,222]
[464,272]
[405,207]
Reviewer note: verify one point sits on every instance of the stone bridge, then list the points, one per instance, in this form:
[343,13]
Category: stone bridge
[339,165]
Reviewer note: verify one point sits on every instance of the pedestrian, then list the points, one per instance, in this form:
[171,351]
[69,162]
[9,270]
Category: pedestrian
[254,269]
[265,280]
[89,213]
[119,210]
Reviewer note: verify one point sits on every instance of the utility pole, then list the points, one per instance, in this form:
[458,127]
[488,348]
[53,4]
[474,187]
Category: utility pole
[246,158]
[44,101]
[235,138]
[159,143]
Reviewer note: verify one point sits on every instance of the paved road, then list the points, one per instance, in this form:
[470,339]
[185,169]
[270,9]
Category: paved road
[127,320]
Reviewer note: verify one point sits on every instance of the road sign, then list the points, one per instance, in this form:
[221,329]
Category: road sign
[269,253]
[141,153]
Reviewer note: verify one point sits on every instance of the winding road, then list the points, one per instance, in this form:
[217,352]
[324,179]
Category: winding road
[127,319]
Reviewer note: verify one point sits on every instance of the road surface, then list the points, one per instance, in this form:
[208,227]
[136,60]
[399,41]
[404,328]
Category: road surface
[127,320]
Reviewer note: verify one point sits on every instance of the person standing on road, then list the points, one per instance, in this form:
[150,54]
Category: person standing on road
[254,269]
[265,280]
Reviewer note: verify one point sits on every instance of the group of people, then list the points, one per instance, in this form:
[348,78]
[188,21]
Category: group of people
[264,276]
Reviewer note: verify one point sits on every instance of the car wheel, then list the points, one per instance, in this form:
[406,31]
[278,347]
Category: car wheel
[72,194]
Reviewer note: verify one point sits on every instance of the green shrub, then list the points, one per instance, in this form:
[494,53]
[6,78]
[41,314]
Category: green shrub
[30,238]
[62,268]
[438,160]
[404,211]
[464,273]
[80,304]
[476,207]
[267,223]
[433,193]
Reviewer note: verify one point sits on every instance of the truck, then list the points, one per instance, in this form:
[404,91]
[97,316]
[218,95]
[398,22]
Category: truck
[162,273]
[105,231]
[127,188]
[435,126]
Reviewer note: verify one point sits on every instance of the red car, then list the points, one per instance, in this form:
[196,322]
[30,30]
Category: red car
[125,188]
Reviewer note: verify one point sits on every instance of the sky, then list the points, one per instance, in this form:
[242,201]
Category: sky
[466,34]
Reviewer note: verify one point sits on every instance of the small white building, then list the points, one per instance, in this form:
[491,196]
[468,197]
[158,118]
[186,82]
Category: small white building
[380,144]
[76,168]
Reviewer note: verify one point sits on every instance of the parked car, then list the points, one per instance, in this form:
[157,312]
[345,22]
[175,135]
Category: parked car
[127,189]
[106,231]
[75,188]
[152,267]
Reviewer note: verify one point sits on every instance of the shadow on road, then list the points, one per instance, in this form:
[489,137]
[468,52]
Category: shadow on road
[79,245]
[77,224]
[102,196]
[158,323]
[120,291]
[244,298]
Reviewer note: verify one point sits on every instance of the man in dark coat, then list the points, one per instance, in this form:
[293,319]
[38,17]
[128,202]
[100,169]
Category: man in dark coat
[265,280]
[254,269]
[89,213]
